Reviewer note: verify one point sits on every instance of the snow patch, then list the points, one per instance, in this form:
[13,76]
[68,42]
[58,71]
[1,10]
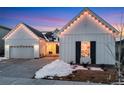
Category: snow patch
[77,67]
[95,69]
[2,58]
[60,68]
[56,68]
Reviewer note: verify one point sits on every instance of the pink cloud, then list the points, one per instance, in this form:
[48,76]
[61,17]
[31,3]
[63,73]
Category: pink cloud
[53,19]
[47,19]
[113,14]
[36,19]
[47,23]
[47,28]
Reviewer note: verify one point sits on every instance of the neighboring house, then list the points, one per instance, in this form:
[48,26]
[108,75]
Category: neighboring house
[118,46]
[52,44]
[52,48]
[118,49]
[3,31]
[24,42]
[53,35]
[88,35]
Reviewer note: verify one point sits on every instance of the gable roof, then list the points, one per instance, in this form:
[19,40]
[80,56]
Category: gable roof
[3,31]
[3,27]
[93,15]
[36,32]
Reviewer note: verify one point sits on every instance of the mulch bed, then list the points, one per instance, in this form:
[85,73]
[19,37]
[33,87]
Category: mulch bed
[108,76]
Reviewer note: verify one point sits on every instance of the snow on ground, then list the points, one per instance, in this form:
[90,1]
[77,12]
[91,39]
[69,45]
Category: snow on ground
[77,67]
[56,68]
[2,58]
[96,69]
[60,68]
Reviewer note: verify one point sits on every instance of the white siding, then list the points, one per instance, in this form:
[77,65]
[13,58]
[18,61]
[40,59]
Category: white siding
[87,30]
[20,52]
[22,38]
[3,32]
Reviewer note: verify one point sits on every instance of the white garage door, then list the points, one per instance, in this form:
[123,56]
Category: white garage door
[21,52]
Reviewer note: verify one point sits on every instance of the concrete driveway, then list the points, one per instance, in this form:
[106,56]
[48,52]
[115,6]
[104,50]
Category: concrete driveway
[22,68]
[21,71]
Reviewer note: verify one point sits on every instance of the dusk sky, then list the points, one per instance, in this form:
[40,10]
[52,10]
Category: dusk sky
[47,19]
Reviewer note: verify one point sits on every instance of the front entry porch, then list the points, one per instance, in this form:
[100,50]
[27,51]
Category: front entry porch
[52,49]
[85,50]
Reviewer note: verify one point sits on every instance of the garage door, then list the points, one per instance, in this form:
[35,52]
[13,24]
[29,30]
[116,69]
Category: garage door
[21,52]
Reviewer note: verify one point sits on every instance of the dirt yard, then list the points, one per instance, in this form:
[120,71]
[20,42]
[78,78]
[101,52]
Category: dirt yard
[108,76]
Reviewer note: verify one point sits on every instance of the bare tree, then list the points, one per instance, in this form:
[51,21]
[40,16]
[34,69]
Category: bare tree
[120,28]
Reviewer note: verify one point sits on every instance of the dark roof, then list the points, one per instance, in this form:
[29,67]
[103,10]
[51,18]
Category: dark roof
[35,31]
[45,31]
[51,36]
[4,27]
[56,30]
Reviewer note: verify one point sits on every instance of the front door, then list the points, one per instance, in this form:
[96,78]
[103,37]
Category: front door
[82,51]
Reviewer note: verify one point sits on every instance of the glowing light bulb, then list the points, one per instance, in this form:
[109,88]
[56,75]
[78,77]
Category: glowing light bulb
[111,32]
[96,20]
[107,28]
[74,21]
[100,23]
[93,18]
[68,27]
[65,30]
[78,18]
[85,13]
[90,15]
[71,24]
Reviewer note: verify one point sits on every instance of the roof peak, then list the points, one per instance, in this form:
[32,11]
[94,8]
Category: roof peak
[86,9]
[35,31]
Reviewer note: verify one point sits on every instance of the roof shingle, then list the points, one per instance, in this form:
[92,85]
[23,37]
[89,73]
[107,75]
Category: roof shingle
[35,31]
